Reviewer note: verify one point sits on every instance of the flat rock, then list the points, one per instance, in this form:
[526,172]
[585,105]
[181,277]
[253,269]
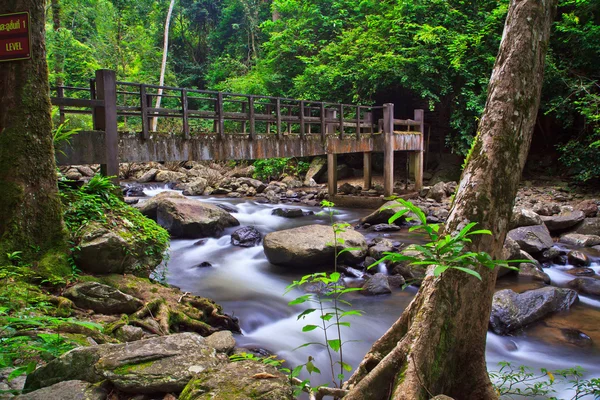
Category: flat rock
[102,299]
[532,239]
[512,311]
[589,226]
[162,364]
[589,286]
[312,246]
[187,218]
[524,217]
[577,239]
[68,390]
[221,341]
[578,258]
[239,380]
[563,221]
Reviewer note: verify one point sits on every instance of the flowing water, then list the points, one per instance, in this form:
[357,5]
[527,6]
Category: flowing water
[249,287]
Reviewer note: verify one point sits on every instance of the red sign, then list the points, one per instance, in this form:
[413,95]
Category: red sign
[15,37]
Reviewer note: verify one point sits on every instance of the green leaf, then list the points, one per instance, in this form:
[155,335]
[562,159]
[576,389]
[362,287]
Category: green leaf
[440,269]
[306,312]
[351,312]
[469,271]
[308,328]
[335,344]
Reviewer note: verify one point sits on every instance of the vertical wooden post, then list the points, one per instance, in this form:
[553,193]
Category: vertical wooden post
[106,120]
[388,149]
[269,120]
[341,116]
[308,124]
[367,170]
[93,97]
[302,126]
[220,117]
[357,122]
[184,110]
[278,116]
[252,118]
[146,121]
[323,125]
[244,124]
[369,120]
[332,174]
[289,124]
[60,93]
[419,116]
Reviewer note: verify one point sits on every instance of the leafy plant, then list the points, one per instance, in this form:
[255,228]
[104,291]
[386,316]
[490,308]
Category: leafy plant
[61,134]
[443,252]
[270,168]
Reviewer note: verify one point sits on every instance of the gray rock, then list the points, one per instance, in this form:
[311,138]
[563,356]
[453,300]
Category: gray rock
[128,333]
[195,187]
[589,226]
[158,365]
[239,380]
[549,255]
[187,218]
[291,182]
[170,177]
[577,239]
[347,188]
[533,239]
[317,167]
[524,217]
[534,272]
[589,286]
[68,390]
[383,214]
[563,221]
[221,341]
[589,208]
[581,271]
[437,192]
[385,228]
[288,212]
[546,209]
[311,246]
[510,251]
[85,170]
[102,299]
[148,176]
[247,236]
[396,281]
[377,284]
[382,245]
[512,311]
[578,259]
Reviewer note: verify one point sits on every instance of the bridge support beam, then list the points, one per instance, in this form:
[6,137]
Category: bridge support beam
[105,119]
[388,149]
[332,174]
[418,165]
[367,170]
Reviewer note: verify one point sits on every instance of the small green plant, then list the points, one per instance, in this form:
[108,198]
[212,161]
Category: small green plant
[61,135]
[271,168]
[443,252]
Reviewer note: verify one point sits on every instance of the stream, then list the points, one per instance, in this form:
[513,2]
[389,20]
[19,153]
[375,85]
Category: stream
[249,287]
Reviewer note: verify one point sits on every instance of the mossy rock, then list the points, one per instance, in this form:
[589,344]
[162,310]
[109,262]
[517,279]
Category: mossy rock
[244,380]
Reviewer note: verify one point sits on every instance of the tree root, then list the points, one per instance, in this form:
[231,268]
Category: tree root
[321,392]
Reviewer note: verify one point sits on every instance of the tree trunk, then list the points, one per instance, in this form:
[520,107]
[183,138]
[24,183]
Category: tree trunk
[163,66]
[438,344]
[30,210]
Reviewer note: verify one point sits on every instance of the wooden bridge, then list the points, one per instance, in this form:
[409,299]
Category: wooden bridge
[208,125]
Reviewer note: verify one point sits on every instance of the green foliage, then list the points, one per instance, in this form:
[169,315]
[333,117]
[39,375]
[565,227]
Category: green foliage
[274,168]
[97,201]
[523,381]
[442,252]
[61,134]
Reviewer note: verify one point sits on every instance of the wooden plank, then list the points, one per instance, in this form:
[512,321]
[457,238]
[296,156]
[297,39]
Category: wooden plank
[367,170]
[184,111]
[252,117]
[388,149]
[278,116]
[106,82]
[66,102]
[420,117]
[332,174]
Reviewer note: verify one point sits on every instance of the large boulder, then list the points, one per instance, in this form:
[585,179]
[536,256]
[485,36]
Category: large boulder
[532,239]
[578,258]
[563,221]
[586,286]
[101,250]
[239,380]
[102,299]
[167,176]
[312,246]
[589,226]
[377,284]
[247,236]
[510,251]
[511,311]
[580,240]
[317,166]
[524,217]
[68,390]
[195,187]
[187,218]
[437,192]
[589,208]
[158,365]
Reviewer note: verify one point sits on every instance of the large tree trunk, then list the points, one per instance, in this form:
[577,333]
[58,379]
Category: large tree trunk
[438,345]
[30,211]
[58,55]
[163,66]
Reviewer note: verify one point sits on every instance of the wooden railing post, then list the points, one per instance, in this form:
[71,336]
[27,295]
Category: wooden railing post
[244,123]
[302,123]
[331,174]
[419,116]
[357,122]
[220,117]
[252,117]
[323,124]
[388,149]
[146,121]
[184,110]
[341,116]
[60,93]
[106,120]
[367,170]
[269,121]
[278,116]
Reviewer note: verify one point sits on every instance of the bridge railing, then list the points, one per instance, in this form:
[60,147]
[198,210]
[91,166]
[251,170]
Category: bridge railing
[197,112]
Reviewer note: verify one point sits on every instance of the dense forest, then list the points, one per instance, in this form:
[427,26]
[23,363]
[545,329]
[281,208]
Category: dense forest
[363,51]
